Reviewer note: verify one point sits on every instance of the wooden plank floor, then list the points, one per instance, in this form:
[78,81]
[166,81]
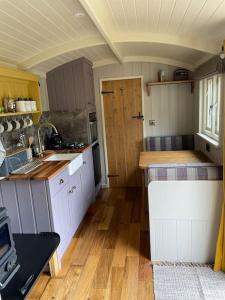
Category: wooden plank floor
[109,256]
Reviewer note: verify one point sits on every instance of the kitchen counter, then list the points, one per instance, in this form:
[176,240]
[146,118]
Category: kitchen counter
[51,198]
[48,169]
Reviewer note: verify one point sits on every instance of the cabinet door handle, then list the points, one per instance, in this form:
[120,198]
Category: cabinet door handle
[84,162]
[61,181]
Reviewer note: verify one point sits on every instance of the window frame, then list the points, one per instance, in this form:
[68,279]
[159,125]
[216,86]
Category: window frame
[213,133]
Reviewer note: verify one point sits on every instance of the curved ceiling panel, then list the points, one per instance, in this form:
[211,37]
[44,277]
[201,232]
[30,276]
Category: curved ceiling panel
[41,34]
[95,54]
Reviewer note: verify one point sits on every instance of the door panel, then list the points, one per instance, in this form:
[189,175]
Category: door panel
[124,134]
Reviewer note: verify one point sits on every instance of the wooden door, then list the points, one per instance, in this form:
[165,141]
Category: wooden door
[124,130]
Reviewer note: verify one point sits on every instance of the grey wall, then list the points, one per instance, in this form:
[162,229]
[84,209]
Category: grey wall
[172,106]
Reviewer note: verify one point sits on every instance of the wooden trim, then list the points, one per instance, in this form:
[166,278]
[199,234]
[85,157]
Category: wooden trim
[149,84]
[54,265]
[20,113]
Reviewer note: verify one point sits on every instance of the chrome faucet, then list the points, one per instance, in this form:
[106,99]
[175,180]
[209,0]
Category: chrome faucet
[47,124]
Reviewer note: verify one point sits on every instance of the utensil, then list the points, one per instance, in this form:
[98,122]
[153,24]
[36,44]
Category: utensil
[30,140]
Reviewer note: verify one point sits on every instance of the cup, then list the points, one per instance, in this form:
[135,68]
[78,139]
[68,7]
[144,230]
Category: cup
[29,122]
[2,128]
[23,123]
[20,106]
[15,124]
[8,126]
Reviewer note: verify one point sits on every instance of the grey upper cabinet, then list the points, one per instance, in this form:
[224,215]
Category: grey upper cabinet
[71,87]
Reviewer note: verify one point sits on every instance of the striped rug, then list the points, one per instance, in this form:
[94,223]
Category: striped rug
[188,283]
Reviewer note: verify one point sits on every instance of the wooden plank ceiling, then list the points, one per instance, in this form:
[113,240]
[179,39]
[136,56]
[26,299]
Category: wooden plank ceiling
[42,34]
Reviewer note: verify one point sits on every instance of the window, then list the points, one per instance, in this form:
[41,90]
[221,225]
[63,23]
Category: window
[210,95]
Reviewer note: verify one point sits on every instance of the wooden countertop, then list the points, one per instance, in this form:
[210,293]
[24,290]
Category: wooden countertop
[171,157]
[48,169]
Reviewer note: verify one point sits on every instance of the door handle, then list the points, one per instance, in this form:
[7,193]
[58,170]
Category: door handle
[139,116]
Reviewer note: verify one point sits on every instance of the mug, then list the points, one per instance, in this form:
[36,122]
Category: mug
[8,126]
[15,124]
[20,106]
[23,123]
[29,121]
[2,128]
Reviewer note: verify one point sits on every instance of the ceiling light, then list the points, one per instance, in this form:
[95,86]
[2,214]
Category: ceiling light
[222,54]
[79,14]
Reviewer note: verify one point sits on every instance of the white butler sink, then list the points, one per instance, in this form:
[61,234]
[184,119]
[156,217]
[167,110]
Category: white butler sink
[76,160]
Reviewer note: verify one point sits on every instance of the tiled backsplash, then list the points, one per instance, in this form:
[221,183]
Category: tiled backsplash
[71,126]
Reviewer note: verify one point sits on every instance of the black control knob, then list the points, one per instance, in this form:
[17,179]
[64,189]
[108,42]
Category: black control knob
[8,266]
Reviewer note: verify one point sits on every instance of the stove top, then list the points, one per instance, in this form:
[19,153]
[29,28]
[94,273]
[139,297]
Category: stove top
[74,145]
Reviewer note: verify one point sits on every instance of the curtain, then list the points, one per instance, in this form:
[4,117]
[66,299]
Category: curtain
[220,247]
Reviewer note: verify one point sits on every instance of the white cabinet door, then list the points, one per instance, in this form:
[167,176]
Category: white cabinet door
[61,219]
[76,203]
[87,178]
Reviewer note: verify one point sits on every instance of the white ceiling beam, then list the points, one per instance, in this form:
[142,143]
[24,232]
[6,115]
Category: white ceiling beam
[105,62]
[202,45]
[148,59]
[95,19]
[160,60]
[61,49]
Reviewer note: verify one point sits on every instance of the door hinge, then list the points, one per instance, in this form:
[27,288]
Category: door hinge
[113,175]
[107,92]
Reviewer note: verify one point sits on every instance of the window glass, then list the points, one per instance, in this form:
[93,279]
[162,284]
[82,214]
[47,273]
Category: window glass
[210,105]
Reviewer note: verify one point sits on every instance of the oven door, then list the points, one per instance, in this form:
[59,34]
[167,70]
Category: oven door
[97,163]
[93,131]
[6,239]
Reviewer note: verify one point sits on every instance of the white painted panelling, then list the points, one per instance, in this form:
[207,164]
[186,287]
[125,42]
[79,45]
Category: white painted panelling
[164,233]
[184,220]
[28,27]
[176,32]
[171,106]
[183,240]
[44,94]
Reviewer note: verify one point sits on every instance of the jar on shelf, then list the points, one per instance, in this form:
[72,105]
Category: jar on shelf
[20,105]
[9,104]
[161,76]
